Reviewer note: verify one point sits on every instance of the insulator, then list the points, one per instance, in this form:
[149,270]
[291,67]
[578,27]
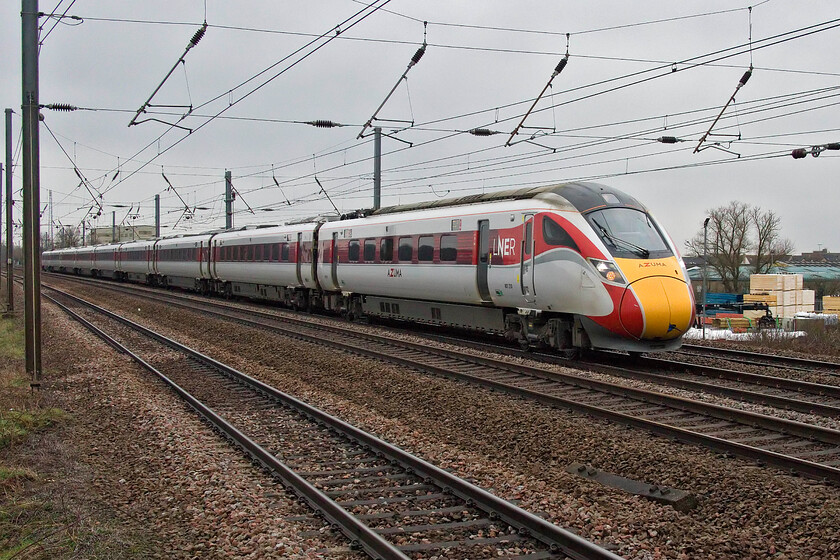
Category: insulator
[198,35]
[833,146]
[482,132]
[323,124]
[667,139]
[799,153]
[562,64]
[61,107]
[418,55]
[745,78]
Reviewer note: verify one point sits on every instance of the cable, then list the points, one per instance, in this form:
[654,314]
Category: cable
[57,21]
[358,16]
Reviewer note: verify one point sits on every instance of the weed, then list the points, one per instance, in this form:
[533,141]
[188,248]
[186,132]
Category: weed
[11,340]
[822,341]
[16,424]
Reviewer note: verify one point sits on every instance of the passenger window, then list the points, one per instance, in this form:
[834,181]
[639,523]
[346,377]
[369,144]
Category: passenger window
[258,253]
[448,248]
[426,248]
[284,252]
[370,250]
[353,251]
[386,250]
[406,251]
[275,252]
[249,253]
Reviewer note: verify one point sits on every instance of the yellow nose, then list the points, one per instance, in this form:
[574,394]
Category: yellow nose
[666,304]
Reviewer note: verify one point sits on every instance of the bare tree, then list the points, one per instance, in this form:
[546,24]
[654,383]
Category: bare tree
[728,242]
[769,243]
[46,243]
[67,236]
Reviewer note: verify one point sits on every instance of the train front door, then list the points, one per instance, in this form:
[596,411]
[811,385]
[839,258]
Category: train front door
[483,259]
[526,260]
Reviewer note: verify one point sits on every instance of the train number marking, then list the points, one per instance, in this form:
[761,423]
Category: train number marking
[394,272]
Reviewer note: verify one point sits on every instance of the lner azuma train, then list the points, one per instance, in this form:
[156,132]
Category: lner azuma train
[574,266]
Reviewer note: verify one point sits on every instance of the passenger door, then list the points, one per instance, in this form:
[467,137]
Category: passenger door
[483,259]
[298,258]
[334,256]
[526,260]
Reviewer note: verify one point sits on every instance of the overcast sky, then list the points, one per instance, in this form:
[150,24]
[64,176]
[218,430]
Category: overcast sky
[637,71]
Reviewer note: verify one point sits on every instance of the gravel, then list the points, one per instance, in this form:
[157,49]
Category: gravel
[515,448]
[163,471]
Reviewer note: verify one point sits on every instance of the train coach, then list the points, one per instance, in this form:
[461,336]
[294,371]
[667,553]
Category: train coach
[571,267]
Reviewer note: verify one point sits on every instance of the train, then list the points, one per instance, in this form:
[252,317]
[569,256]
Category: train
[571,267]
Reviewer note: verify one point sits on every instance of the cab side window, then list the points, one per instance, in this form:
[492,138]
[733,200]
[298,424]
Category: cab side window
[554,234]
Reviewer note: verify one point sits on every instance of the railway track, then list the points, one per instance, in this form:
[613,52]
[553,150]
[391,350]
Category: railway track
[779,392]
[755,358]
[801,448]
[385,501]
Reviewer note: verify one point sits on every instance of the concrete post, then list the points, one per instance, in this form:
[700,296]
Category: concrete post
[31,190]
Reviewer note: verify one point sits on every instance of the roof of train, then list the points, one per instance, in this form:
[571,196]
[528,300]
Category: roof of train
[583,196]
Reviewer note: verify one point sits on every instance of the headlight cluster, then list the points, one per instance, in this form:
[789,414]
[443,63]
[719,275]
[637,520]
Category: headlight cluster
[608,271]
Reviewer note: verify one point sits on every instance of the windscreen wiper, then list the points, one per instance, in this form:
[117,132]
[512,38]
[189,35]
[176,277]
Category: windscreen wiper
[641,251]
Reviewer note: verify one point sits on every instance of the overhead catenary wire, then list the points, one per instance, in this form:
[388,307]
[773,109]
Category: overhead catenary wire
[84,182]
[197,36]
[783,96]
[559,68]
[321,177]
[411,64]
[589,85]
[461,155]
[326,37]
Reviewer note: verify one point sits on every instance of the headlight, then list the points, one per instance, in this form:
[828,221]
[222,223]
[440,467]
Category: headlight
[608,271]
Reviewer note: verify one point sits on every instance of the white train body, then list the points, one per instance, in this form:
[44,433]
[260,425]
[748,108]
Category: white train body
[136,260]
[572,266]
[278,256]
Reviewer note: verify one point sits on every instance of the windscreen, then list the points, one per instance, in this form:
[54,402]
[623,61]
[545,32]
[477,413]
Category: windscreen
[629,233]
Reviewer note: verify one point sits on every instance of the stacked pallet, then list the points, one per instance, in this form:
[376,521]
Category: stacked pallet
[735,324]
[782,292]
[831,305]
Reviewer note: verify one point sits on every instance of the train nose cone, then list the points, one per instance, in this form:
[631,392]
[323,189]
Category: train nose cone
[661,308]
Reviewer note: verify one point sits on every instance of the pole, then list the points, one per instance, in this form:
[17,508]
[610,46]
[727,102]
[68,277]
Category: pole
[10,299]
[1,214]
[377,166]
[84,233]
[228,201]
[705,272]
[114,226]
[52,229]
[157,215]
[31,190]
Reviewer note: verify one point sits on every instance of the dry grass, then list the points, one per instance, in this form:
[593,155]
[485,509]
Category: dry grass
[48,506]
[28,520]
[821,341]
